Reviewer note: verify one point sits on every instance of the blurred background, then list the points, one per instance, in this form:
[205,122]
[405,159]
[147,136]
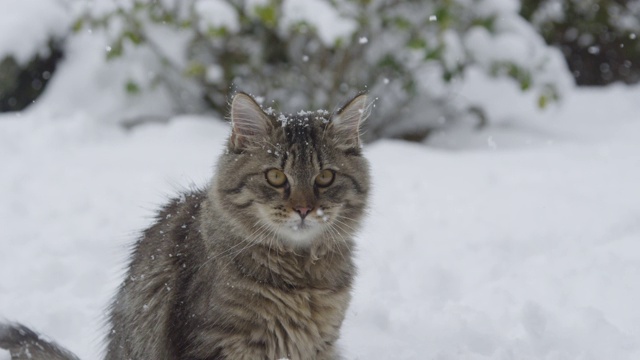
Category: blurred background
[423,61]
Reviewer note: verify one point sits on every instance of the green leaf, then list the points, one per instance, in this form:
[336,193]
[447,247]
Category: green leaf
[134,37]
[77,25]
[434,54]
[217,32]
[521,75]
[447,76]
[138,5]
[267,14]
[115,50]
[487,23]
[543,101]
[132,87]
[443,14]
[417,43]
[195,69]
[390,62]
[548,95]
[525,82]
[402,23]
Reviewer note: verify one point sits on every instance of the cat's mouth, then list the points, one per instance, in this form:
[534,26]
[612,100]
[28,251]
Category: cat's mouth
[301,226]
[301,231]
[298,230]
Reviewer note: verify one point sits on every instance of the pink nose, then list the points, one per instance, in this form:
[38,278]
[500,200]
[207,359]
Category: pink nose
[303,211]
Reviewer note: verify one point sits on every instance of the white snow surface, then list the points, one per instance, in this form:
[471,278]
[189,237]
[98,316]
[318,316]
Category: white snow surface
[522,243]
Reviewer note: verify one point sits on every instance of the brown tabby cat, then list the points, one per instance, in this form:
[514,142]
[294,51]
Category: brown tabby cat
[257,266]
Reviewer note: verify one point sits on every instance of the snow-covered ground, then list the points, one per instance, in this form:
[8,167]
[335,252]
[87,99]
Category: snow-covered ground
[517,242]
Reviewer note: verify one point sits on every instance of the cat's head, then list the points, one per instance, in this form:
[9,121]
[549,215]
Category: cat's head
[295,178]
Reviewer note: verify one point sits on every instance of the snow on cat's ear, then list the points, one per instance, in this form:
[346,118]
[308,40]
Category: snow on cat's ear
[249,124]
[346,123]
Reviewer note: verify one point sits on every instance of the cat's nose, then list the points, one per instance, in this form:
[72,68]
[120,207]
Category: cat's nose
[302,210]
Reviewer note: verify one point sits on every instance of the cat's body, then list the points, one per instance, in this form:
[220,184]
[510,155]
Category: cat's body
[259,264]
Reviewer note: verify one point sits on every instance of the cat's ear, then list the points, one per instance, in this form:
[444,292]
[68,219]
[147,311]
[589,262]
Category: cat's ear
[346,123]
[249,124]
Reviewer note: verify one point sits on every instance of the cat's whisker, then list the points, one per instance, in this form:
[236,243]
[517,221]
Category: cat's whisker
[241,243]
[251,241]
[342,231]
[334,243]
[270,242]
[339,218]
[335,240]
[247,241]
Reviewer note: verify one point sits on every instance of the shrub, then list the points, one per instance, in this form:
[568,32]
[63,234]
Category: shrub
[31,37]
[599,38]
[316,53]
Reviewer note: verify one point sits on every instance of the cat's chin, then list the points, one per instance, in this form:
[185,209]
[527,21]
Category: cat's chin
[300,233]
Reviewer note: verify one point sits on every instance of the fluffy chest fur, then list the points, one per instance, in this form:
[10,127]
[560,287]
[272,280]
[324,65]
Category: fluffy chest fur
[302,323]
[268,322]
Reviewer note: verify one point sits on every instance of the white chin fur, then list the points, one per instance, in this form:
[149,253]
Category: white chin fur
[300,233]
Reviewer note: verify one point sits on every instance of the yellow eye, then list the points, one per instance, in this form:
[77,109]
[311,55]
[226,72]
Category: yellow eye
[325,178]
[276,177]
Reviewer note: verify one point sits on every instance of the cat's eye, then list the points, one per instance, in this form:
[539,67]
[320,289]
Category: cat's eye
[325,178]
[276,177]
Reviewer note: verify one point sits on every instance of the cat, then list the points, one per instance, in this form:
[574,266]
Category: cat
[258,265]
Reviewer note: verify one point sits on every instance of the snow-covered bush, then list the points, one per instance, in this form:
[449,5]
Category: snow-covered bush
[599,38]
[411,55]
[31,32]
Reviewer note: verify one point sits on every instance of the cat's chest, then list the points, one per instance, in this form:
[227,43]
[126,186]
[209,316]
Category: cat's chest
[262,318]
[251,321]
[302,321]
